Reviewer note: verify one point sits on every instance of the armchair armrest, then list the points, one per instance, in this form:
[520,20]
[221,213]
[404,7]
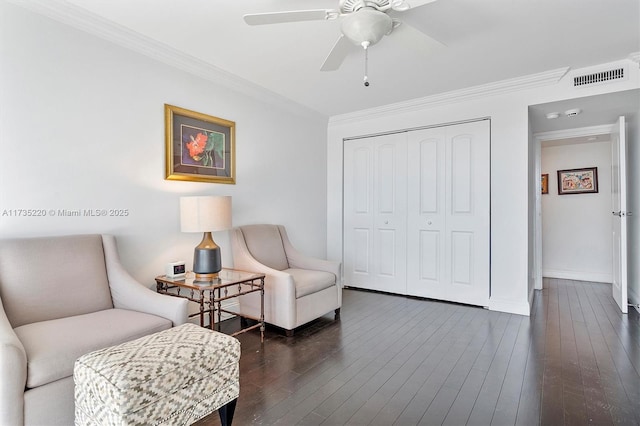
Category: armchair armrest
[299,260]
[127,293]
[13,370]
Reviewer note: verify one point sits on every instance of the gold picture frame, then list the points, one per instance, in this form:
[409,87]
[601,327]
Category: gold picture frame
[544,184]
[199,147]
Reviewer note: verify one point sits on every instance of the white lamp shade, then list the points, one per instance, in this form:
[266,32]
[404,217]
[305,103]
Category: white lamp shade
[205,214]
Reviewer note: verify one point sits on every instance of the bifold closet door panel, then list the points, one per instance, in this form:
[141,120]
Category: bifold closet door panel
[426,212]
[448,213]
[375,188]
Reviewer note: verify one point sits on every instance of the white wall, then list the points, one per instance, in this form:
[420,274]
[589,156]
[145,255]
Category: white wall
[511,168]
[576,228]
[82,127]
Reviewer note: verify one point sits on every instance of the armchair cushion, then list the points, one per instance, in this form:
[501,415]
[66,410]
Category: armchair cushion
[309,282]
[67,272]
[53,346]
[265,245]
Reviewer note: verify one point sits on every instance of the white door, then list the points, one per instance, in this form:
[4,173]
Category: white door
[448,213]
[375,213]
[619,210]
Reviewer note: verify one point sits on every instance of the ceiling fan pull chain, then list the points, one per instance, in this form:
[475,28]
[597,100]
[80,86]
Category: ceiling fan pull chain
[365,44]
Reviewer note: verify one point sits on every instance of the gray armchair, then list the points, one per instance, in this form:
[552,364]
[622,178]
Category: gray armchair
[298,288]
[62,297]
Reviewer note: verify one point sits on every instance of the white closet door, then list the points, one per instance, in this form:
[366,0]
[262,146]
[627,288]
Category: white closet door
[375,213]
[448,213]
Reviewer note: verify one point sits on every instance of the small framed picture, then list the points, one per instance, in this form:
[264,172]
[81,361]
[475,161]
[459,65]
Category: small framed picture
[578,181]
[199,147]
[545,183]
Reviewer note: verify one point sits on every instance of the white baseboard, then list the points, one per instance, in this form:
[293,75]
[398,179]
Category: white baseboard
[596,277]
[509,306]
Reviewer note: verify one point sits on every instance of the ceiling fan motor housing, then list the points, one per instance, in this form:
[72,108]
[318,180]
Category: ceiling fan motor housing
[349,6]
[367,25]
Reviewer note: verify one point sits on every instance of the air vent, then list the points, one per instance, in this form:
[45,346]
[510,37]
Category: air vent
[598,77]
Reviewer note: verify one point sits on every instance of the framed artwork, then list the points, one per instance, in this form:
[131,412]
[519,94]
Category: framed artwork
[199,147]
[545,183]
[578,181]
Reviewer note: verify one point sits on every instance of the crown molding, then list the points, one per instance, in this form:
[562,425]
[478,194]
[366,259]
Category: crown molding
[81,19]
[498,87]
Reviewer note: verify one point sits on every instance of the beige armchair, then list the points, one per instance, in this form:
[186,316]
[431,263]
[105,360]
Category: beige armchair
[62,297]
[298,288]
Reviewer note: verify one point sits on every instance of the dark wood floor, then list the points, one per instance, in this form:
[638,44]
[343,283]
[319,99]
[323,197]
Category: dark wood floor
[396,360]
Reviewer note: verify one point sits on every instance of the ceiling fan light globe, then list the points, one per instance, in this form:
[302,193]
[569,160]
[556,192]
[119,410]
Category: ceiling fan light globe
[366,25]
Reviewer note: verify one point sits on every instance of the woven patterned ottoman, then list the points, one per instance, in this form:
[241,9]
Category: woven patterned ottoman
[173,377]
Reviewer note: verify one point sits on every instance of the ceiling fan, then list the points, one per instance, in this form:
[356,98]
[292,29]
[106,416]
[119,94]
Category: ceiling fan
[364,23]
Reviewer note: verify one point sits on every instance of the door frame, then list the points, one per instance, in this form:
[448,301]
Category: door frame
[537,221]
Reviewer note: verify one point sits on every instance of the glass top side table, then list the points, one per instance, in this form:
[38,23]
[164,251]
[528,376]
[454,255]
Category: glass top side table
[209,295]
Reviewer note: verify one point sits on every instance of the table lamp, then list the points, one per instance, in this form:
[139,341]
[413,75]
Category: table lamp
[205,214]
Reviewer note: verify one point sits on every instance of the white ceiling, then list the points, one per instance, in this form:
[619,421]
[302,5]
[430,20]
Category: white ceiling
[486,41]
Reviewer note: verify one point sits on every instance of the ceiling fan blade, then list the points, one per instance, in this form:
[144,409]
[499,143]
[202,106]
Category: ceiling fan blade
[290,16]
[339,51]
[402,5]
[416,40]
